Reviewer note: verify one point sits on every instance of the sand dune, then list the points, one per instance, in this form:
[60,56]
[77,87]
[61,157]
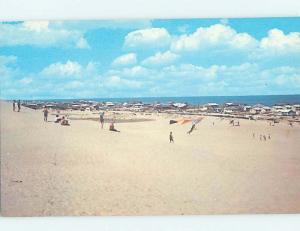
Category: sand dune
[48,169]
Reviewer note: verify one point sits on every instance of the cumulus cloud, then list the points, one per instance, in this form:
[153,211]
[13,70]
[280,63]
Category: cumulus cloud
[6,66]
[119,83]
[283,43]
[147,38]
[131,72]
[69,68]
[82,44]
[160,59]
[215,36]
[278,44]
[125,60]
[38,33]
[214,60]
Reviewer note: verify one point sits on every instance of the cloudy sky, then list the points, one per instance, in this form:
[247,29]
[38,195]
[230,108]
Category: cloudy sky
[140,58]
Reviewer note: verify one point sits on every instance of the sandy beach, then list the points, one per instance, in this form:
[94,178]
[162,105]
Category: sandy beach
[48,169]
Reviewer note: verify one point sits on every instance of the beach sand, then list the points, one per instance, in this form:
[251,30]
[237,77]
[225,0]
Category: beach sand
[48,169]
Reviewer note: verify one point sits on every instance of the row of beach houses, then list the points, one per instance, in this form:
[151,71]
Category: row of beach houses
[209,108]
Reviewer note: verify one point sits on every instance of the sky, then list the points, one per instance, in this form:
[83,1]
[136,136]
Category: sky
[149,58]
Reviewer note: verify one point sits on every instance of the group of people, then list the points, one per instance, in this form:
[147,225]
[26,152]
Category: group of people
[18,105]
[171,137]
[232,122]
[262,137]
[62,120]
[111,126]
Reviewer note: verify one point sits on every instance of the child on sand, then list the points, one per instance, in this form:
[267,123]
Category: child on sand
[171,138]
[112,127]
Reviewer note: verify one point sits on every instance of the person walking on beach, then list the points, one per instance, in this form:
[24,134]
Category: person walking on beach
[46,114]
[253,135]
[192,128]
[265,138]
[171,138]
[19,105]
[102,119]
[14,105]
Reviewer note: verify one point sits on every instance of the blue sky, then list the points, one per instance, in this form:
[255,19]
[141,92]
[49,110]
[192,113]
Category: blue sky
[141,58]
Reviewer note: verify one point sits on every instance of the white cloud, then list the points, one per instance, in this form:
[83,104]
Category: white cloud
[131,72]
[147,38]
[278,44]
[63,69]
[38,33]
[125,60]
[82,44]
[6,62]
[26,81]
[38,26]
[278,40]
[215,36]
[160,59]
[190,71]
[115,82]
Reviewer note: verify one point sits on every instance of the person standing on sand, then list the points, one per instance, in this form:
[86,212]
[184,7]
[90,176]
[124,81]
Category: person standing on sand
[19,105]
[102,119]
[46,114]
[14,105]
[171,138]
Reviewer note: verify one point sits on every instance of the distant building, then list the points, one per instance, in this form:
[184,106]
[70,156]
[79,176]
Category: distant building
[266,109]
[256,110]
[247,108]
[109,104]
[213,107]
[288,112]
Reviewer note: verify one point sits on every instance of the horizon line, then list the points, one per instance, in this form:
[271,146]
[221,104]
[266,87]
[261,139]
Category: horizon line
[137,97]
